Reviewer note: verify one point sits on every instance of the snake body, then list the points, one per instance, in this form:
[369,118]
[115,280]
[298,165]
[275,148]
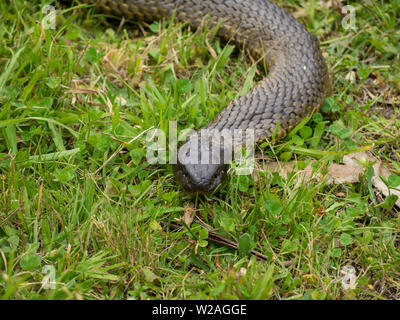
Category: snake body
[297,82]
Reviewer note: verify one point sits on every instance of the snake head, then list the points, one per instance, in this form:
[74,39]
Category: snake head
[200,167]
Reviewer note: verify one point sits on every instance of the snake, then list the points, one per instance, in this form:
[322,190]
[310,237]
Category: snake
[296,84]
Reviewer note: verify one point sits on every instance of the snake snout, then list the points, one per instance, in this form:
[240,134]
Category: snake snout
[197,174]
[200,178]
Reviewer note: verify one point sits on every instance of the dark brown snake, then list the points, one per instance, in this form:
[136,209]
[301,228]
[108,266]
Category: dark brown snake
[297,82]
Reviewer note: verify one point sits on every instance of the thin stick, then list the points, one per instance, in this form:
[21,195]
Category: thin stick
[9,216]
[217,239]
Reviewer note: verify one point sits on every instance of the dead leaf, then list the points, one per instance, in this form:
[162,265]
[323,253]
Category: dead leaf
[379,170]
[212,51]
[337,173]
[189,214]
[349,172]
[83,90]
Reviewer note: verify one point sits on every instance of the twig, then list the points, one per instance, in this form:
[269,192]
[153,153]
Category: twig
[217,239]
[9,216]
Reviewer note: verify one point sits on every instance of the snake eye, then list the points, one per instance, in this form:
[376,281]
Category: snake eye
[185,174]
[215,175]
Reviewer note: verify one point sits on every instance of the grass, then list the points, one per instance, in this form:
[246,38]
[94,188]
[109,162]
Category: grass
[81,206]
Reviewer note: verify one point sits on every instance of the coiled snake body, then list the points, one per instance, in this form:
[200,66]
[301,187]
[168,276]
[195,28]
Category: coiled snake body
[297,82]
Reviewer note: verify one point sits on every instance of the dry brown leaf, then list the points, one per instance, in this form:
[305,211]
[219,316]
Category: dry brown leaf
[83,90]
[337,173]
[212,51]
[379,170]
[349,172]
[189,214]
[301,12]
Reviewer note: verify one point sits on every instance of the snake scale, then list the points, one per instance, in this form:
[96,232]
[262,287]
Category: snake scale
[297,83]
